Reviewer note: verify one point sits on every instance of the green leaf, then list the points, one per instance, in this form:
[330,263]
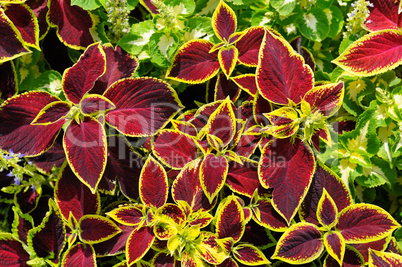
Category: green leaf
[379,174]
[336,22]
[198,28]
[314,25]
[162,48]
[86,4]
[49,81]
[323,4]
[284,7]
[181,7]
[138,37]
[355,90]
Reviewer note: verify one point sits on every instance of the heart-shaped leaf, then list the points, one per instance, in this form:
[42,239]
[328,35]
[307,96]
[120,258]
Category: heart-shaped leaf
[96,229]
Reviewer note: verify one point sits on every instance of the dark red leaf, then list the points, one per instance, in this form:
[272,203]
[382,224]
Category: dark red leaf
[92,104]
[243,179]
[96,229]
[383,15]
[213,173]
[52,113]
[227,59]
[143,105]
[364,248]
[224,88]
[268,216]
[224,21]
[17,133]
[138,244]
[284,164]
[12,253]
[116,244]
[163,260]
[54,157]
[80,255]
[119,65]
[8,80]
[73,32]
[249,46]
[73,196]
[247,83]
[81,77]
[230,220]
[40,10]
[21,225]
[193,63]
[85,147]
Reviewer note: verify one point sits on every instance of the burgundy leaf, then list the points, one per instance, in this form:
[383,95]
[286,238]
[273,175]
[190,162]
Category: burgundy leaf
[249,46]
[138,244]
[40,10]
[81,77]
[52,112]
[8,80]
[143,106]
[80,255]
[73,196]
[230,220]
[227,59]
[224,21]
[247,83]
[54,157]
[92,104]
[383,15]
[96,229]
[268,216]
[243,179]
[17,133]
[85,146]
[12,252]
[213,172]
[116,244]
[73,32]
[224,88]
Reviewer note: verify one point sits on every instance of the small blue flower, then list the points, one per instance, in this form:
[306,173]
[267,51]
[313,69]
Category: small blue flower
[8,157]
[21,155]
[353,4]
[33,188]
[17,181]
[371,4]
[10,174]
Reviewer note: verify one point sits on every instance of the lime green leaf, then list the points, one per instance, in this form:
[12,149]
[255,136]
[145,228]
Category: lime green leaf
[314,25]
[86,4]
[138,37]
[284,7]
[162,48]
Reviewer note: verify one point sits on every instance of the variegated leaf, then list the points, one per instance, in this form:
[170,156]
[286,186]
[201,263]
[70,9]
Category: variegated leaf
[138,244]
[249,255]
[230,220]
[335,246]
[224,21]
[249,46]
[127,215]
[213,172]
[326,98]
[378,258]
[227,59]
[51,113]
[384,14]
[327,211]
[96,229]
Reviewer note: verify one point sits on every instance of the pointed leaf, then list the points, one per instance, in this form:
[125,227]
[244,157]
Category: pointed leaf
[96,229]
[210,250]
[301,243]
[115,245]
[73,196]
[85,146]
[269,217]
[186,187]
[12,251]
[11,43]
[79,255]
[138,244]
[153,184]
[51,113]
[352,258]
[73,32]
[378,258]
[223,87]
[92,104]
[175,149]
[364,248]
[213,173]
[326,98]
[222,123]
[224,21]
[193,63]
[26,22]
[227,59]
[335,246]
[249,255]
[281,72]
[119,65]
[230,220]
[171,213]
[21,225]
[360,223]
[284,164]
[243,179]
[249,46]
[383,15]
[365,57]
[143,105]
[246,82]
[17,133]
[284,122]
[81,77]
[47,240]
[127,215]
[40,10]
[324,178]
[163,260]
[327,210]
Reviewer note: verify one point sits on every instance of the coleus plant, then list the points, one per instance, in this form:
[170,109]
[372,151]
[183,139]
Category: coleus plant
[125,105]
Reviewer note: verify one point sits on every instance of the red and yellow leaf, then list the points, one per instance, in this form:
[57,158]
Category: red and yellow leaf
[361,223]
[324,178]
[12,251]
[372,54]
[326,98]
[281,73]
[187,187]
[379,258]
[224,21]
[383,15]
[249,255]
[284,122]
[11,44]
[193,63]
[243,179]
[175,149]
[79,255]
[352,258]
[128,215]
[115,245]
[93,104]
[73,196]
[86,152]
[335,246]
[210,250]
[139,101]
[26,22]
[246,82]
[119,65]
[213,172]
[227,59]
[138,244]
[220,87]
[164,230]
[284,164]
[171,213]
[81,77]
[249,46]
[52,113]
[8,80]
[153,184]
[16,131]
[364,248]
[327,211]
[267,216]
[230,219]
[301,243]
[73,32]
[96,229]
